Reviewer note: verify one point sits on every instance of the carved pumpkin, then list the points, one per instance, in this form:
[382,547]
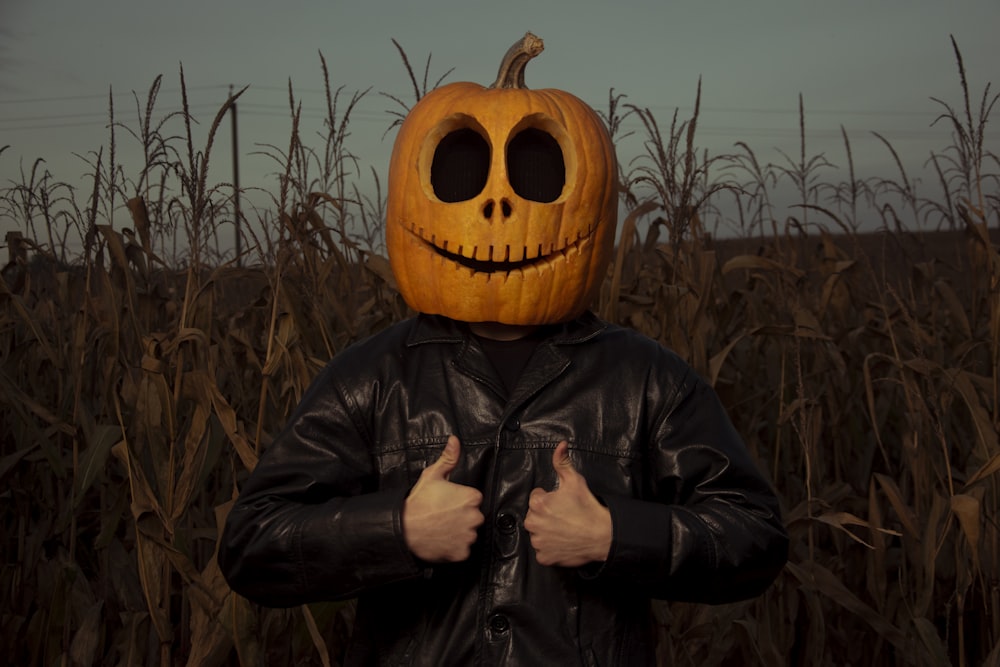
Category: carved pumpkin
[502,201]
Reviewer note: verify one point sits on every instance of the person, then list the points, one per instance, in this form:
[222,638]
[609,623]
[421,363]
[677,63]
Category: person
[504,493]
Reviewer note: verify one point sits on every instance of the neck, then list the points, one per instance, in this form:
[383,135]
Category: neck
[498,331]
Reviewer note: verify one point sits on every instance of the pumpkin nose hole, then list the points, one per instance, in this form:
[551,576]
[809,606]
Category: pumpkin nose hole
[489,208]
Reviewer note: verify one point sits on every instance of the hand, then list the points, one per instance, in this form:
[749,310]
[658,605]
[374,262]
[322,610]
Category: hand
[568,526]
[440,517]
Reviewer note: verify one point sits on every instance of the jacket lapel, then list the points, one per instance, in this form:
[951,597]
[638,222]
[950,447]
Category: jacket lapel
[546,364]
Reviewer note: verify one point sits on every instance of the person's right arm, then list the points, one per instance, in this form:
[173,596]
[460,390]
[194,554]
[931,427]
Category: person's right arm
[311,523]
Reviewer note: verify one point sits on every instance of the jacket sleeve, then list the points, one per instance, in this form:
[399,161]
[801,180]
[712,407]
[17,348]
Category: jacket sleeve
[309,523]
[713,533]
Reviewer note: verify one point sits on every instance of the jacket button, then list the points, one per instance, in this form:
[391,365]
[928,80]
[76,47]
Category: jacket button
[512,424]
[506,522]
[499,624]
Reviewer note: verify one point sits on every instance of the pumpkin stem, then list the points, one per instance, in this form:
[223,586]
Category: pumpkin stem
[511,74]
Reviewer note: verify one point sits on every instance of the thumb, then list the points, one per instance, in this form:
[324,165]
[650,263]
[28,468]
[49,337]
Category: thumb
[565,472]
[441,468]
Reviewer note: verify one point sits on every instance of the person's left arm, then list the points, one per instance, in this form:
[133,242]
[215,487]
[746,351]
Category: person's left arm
[713,533]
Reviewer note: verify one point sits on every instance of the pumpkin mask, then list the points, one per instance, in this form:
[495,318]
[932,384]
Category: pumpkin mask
[502,201]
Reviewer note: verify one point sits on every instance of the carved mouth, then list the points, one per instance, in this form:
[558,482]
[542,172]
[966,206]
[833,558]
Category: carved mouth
[498,258]
[487,266]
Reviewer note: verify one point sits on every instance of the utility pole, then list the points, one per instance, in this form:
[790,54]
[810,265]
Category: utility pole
[237,218]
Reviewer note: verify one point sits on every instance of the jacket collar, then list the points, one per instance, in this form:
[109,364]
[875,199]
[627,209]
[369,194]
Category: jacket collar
[440,329]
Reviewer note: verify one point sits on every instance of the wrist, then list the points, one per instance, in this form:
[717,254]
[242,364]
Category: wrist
[603,535]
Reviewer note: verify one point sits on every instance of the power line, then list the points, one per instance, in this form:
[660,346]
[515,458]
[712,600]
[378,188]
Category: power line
[84,114]
[774,111]
[100,118]
[52,126]
[102,96]
[703,131]
[793,110]
[311,112]
[263,109]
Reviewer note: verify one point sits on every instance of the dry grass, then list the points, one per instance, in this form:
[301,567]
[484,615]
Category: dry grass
[142,378]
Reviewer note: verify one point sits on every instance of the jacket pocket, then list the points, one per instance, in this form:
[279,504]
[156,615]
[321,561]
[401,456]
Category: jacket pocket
[401,468]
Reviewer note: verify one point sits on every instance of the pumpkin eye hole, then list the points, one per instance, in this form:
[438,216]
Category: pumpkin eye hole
[461,166]
[535,165]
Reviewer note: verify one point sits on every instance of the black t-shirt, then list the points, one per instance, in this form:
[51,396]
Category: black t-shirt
[509,357]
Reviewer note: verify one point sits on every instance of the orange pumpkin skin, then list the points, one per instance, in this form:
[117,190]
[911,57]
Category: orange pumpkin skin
[536,262]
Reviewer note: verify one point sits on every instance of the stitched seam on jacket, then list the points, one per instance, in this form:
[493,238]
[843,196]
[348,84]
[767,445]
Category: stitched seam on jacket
[353,411]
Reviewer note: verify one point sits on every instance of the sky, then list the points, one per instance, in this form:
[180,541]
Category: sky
[864,66]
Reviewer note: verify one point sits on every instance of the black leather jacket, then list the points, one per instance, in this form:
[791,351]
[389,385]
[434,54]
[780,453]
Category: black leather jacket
[320,517]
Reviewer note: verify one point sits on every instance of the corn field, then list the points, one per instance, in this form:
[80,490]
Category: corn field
[144,369]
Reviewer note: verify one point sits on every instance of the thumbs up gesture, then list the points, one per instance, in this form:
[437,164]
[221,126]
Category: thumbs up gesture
[568,526]
[440,517]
